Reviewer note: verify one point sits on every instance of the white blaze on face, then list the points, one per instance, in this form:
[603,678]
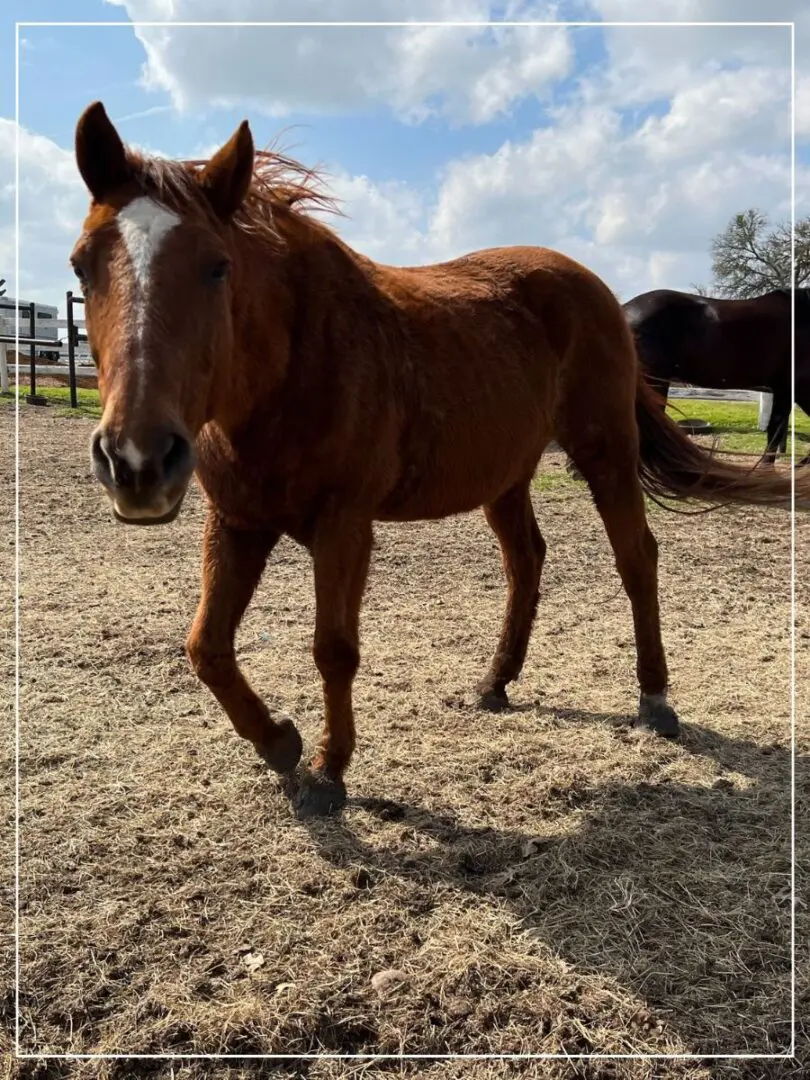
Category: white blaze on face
[143,225]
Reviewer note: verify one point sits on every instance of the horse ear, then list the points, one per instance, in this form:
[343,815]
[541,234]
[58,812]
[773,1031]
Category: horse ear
[100,154]
[226,177]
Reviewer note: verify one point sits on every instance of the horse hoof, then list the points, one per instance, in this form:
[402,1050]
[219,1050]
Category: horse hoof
[284,752]
[655,715]
[319,796]
[492,699]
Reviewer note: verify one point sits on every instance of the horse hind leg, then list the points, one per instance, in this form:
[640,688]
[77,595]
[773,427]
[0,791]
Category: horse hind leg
[777,431]
[523,549]
[609,464]
[661,386]
[803,401]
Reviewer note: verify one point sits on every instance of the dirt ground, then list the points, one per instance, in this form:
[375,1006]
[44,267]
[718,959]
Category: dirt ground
[545,881]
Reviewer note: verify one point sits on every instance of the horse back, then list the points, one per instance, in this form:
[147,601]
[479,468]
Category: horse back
[711,342]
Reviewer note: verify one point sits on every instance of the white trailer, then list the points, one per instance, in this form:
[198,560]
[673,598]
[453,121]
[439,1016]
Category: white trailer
[46,326]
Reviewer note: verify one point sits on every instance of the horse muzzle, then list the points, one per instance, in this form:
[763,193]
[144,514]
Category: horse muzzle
[146,479]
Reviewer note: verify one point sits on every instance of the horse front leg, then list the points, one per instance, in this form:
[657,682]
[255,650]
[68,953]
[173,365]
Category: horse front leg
[232,565]
[341,552]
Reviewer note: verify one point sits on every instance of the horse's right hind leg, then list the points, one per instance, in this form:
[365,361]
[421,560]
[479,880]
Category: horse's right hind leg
[523,549]
[803,401]
[611,471]
[661,386]
[777,431]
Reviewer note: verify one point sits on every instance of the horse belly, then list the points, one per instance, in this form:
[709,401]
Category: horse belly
[471,465]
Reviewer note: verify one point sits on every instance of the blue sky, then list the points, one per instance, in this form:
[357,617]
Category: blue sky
[368,139]
[627,148]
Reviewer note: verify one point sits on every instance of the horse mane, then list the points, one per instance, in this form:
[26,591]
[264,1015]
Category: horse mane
[279,183]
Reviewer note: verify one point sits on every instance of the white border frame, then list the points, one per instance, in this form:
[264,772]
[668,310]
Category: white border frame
[787,1055]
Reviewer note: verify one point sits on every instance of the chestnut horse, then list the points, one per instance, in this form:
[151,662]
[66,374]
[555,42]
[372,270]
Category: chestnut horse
[744,344]
[316,392]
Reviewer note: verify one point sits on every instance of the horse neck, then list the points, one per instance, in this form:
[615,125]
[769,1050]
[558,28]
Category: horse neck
[281,295]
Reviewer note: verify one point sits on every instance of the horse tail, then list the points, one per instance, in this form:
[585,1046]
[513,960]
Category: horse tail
[671,466]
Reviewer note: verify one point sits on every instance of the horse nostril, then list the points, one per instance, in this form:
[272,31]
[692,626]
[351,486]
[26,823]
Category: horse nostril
[95,448]
[100,456]
[178,457]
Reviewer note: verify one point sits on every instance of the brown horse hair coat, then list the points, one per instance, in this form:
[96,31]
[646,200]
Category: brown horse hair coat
[316,392]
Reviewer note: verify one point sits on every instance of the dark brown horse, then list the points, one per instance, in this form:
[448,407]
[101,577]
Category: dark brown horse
[316,392]
[727,344]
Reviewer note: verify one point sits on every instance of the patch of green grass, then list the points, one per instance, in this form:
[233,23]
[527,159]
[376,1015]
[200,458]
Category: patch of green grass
[734,423]
[81,413]
[88,400]
[553,481]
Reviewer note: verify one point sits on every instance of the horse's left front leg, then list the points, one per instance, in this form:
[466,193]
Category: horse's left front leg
[341,552]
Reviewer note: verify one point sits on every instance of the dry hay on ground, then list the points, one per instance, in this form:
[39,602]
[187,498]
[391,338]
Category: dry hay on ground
[547,880]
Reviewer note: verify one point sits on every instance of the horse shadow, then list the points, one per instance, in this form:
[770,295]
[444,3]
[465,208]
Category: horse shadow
[663,887]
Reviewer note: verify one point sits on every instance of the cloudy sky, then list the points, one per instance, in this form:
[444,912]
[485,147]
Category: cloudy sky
[628,148]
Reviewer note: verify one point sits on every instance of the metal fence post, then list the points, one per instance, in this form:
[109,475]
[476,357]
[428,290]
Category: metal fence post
[32,397]
[32,352]
[71,335]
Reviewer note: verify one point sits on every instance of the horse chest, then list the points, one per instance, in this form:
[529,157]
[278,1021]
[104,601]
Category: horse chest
[250,492]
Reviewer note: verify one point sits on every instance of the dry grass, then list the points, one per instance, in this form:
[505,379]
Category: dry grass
[548,881]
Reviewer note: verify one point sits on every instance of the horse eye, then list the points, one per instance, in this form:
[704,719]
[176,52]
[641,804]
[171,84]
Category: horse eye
[79,272]
[220,270]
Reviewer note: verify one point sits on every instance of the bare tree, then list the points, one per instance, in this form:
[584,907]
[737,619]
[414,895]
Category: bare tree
[750,258]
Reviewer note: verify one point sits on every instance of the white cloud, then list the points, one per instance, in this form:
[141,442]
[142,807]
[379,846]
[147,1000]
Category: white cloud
[648,63]
[417,70]
[648,50]
[508,196]
[383,220]
[52,205]
[636,203]
[470,75]
[153,110]
[748,105]
[803,107]
[476,75]
[634,212]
